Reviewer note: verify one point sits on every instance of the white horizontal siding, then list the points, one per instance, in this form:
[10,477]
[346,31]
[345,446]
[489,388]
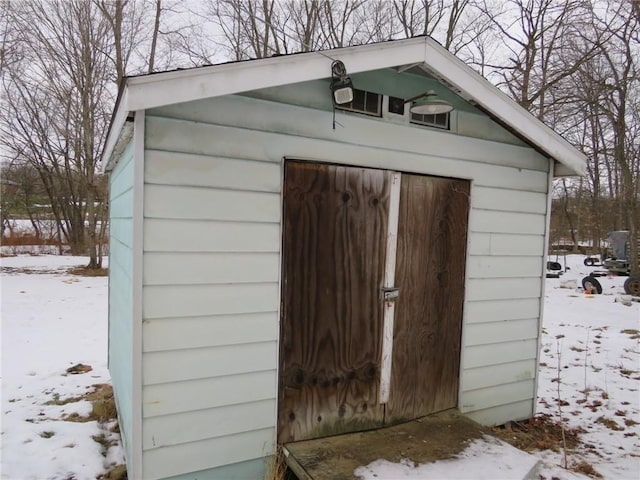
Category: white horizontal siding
[509,200]
[204,393]
[498,353]
[203,424]
[120,206]
[186,268]
[215,140]
[182,169]
[200,236]
[500,331]
[492,375]
[162,301]
[492,266]
[490,396]
[215,330]
[298,121]
[120,255]
[248,470]
[179,365]
[499,414]
[121,181]
[502,288]
[198,203]
[190,457]
[120,229]
[313,95]
[211,266]
[506,309]
[490,221]
[501,244]
[210,303]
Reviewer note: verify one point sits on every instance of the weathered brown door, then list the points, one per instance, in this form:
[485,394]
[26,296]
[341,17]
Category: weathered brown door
[430,262]
[336,228]
[335,222]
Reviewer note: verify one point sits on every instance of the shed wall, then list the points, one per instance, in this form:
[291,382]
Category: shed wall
[121,290]
[466,119]
[213,176]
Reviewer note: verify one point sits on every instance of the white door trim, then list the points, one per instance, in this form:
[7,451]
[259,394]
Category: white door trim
[389,282]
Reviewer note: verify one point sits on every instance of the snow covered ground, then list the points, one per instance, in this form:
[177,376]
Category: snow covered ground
[52,320]
[596,339]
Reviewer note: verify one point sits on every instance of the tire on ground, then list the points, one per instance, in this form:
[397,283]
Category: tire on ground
[591,285]
[554,266]
[632,286]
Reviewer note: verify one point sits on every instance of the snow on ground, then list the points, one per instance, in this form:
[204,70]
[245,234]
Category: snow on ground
[598,341]
[488,458]
[52,320]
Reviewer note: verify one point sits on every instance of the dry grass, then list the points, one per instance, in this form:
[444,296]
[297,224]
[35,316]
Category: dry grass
[89,272]
[276,467]
[585,468]
[539,433]
[103,410]
[104,442]
[542,433]
[79,368]
[610,424]
[117,472]
[12,239]
[635,334]
[103,404]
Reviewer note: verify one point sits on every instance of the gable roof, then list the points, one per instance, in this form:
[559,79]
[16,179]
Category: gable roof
[161,89]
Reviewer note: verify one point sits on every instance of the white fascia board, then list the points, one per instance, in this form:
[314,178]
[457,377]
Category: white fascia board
[480,90]
[561,170]
[167,88]
[162,89]
[115,132]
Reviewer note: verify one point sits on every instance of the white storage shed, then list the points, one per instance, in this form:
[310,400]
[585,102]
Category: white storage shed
[282,268]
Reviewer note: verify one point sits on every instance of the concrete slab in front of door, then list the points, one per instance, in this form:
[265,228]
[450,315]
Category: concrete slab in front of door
[441,436]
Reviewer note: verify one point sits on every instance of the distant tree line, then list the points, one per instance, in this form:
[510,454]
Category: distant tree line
[572,63]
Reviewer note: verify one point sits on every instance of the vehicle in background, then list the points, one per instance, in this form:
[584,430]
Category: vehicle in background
[618,261]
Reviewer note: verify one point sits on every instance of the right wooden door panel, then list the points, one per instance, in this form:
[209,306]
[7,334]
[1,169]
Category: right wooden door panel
[430,264]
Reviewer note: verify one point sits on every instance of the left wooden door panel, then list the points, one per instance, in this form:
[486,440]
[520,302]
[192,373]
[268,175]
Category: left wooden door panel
[334,240]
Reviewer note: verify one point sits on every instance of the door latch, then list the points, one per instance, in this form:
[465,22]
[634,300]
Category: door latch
[390,294]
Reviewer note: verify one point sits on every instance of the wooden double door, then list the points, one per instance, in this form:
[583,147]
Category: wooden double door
[372,296]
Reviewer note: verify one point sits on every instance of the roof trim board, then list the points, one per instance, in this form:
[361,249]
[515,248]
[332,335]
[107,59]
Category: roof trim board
[166,88]
[475,87]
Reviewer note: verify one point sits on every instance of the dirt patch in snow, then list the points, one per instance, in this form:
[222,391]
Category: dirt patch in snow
[538,433]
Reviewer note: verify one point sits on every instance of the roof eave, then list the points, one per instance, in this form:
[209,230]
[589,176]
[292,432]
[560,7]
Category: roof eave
[476,89]
[115,132]
[161,89]
[151,91]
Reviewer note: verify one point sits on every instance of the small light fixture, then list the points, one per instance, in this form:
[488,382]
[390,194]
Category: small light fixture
[428,103]
[341,86]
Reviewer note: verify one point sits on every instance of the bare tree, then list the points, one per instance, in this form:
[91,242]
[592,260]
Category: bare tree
[418,17]
[56,109]
[619,101]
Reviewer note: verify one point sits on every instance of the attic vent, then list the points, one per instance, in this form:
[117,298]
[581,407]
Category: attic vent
[439,120]
[368,103]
